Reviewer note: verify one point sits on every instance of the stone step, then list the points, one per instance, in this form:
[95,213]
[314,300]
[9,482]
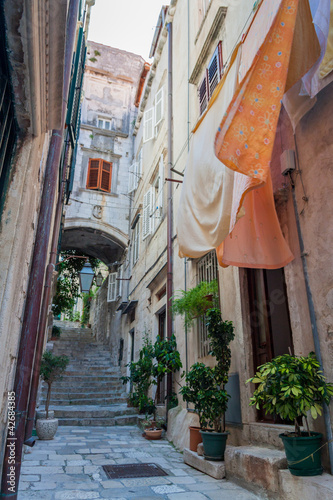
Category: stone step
[255,465]
[67,394]
[106,402]
[91,411]
[100,421]
[87,378]
[88,387]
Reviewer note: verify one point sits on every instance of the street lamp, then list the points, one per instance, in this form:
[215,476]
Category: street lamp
[86,276]
[99,279]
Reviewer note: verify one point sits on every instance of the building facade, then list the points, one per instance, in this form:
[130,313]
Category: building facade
[270,308]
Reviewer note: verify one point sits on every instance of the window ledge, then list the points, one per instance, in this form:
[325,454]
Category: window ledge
[97,191]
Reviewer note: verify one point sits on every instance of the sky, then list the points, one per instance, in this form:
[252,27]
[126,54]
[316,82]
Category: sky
[125,24]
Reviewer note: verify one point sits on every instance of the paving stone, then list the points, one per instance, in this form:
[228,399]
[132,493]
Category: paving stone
[29,477]
[74,469]
[78,462]
[182,479]
[43,485]
[187,496]
[42,470]
[57,461]
[76,495]
[145,481]
[83,451]
[163,490]
[38,495]
[100,450]
[111,484]
[32,463]
[23,486]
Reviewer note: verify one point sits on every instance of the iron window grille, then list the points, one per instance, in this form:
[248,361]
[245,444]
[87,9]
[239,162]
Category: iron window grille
[207,270]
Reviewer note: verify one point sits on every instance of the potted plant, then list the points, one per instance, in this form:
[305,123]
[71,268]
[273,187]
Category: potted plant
[205,386]
[56,331]
[194,303]
[51,369]
[290,387]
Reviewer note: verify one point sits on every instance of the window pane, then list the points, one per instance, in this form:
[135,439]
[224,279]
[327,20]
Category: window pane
[107,125]
[100,123]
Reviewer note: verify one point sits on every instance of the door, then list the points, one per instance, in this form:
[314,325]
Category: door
[161,388]
[269,318]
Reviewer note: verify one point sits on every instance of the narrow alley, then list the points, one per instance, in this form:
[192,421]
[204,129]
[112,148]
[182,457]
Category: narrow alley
[70,467]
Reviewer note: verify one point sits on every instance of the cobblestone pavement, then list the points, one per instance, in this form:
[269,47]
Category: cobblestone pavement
[70,467]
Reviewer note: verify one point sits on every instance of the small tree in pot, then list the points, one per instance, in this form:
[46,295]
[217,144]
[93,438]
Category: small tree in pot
[51,369]
[205,386]
[290,387]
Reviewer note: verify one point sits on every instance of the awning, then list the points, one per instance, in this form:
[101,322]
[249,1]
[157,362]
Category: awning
[130,306]
[216,195]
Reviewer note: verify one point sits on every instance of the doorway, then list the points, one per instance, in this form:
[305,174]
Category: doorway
[161,388]
[269,318]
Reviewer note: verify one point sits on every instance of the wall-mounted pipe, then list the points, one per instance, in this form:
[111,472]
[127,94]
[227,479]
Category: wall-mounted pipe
[170,207]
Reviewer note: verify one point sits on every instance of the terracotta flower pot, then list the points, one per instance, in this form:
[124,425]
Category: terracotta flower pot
[195,438]
[153,433]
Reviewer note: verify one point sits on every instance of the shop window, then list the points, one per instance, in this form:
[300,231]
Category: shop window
[99,175]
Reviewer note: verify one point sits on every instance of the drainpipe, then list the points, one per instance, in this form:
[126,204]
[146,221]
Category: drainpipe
[169,193]
[188,149]
[34,293]
[313,319]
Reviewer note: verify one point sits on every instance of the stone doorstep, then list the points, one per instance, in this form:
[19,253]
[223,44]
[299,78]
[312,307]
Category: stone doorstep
[306,488]
[255,466]
[215,469]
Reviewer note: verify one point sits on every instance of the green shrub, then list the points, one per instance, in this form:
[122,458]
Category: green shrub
[290,387]
[51,369]
[56,331]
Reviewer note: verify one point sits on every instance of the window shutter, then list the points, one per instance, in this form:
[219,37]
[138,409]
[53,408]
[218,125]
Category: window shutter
[159,203]
[135,242]
[112,287]
[214,70]
[140,165]
[147,200]
[159,106]
[132,179]
[148,125]
[119,281]
[93,174]
[203,94]
[106,172]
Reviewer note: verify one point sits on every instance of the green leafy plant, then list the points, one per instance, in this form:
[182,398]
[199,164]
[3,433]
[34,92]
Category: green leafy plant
[87,298]
[291,386]
[68,288]
[92,59]
[56,331]
[140,378]
[155,361]
[194,303]
[204,386]
[97,53]
[51,369]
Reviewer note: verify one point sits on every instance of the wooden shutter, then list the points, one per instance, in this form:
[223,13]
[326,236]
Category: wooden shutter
[203,93]
[215,69]
[132,179]
[159,201]
[93,174]
[140,169]
[148,125]
[147,200]
[119,281]
[112,287]
[159,106]
[105,176]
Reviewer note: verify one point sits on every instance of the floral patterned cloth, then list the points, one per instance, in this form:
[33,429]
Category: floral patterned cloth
[245,138]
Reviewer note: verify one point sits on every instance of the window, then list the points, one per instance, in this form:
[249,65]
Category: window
[153,117]
[135,241]
[207,271]
[99,175]
[112,287]
[211,78]
[104,123]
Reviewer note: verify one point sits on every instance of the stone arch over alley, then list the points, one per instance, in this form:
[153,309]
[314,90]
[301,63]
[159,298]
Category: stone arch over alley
[96,238]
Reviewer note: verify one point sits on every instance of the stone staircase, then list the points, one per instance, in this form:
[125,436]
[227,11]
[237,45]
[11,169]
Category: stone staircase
[90,392]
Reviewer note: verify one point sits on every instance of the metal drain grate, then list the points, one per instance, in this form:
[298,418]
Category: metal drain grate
[133,470]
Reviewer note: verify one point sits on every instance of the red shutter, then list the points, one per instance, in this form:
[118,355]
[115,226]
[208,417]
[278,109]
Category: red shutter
[106,173]
[93,174]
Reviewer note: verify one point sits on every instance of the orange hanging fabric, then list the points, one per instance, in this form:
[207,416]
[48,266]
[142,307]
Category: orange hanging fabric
[245,138]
